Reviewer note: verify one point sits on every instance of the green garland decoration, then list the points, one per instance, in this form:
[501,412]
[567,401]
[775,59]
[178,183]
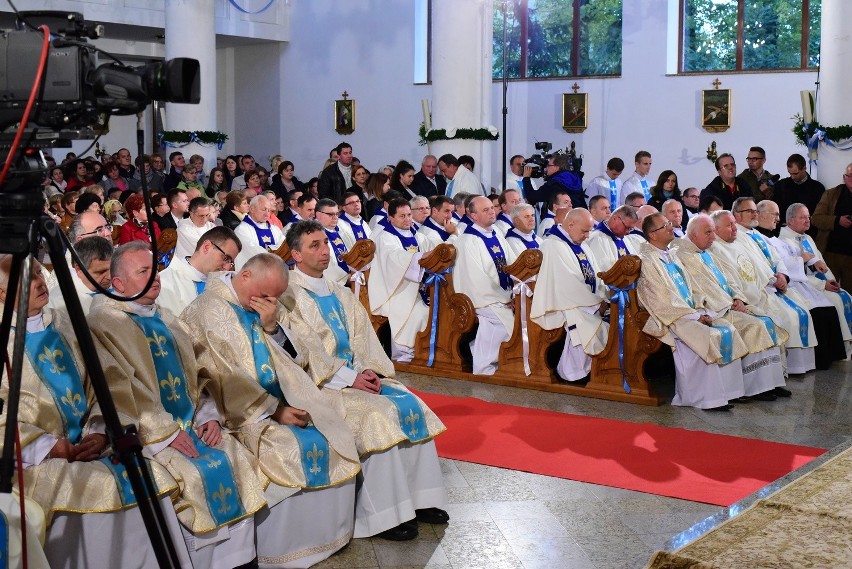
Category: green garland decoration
[186,136]
[804,131]
[461,134]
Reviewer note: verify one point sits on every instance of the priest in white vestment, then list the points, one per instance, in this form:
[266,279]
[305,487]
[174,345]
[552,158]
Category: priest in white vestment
[328,215]
[89,509]
[255,232]
[299,442]
[739,256]
[459,178]
[306,205]
[95,254]
[522,236]
[706,347]
[763,373]
[507,202]
[155,379]
[439,227]
[190,229]
[482,255]
[569,294]
[610,240]
[395,278]
[401,479]
[558,206]
[186,277]
[352,226]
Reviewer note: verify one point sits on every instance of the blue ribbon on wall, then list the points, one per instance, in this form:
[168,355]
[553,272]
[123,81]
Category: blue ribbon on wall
[193,138]
[434,279]
[244,11]
[623,299]
[820,136]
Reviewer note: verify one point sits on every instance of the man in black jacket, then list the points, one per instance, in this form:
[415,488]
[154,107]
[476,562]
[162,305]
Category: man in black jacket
[337,178]
[558,177]
[727,186]
[426,182]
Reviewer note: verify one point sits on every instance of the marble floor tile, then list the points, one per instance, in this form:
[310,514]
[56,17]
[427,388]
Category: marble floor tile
[416,554]
[549,552]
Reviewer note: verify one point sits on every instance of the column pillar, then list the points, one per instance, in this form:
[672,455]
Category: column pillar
[191,32]
[835,86]
[461,46]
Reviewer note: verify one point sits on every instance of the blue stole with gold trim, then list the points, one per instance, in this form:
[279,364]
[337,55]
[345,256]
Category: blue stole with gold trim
[845,296]
[505,218]
[512,234]
[264,236]
[430,223]
[408,243]
[412,420]
[620,246]
[720,277]
[803,316]
[357,228]
[676,274]
[764,248]
[213,465]
[313,446]
[334,315]
[492,245]
[585,266]
[338,246]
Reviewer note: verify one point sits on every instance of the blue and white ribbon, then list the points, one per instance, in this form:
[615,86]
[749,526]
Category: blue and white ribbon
[523,290]
[436,280]
[818,136]
[621,296]
[193,139]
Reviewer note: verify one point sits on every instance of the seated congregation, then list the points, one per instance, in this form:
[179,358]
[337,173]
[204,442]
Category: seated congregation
[260,365]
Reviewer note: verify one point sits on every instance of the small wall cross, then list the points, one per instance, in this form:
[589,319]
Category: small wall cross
[575,87]
[716,83]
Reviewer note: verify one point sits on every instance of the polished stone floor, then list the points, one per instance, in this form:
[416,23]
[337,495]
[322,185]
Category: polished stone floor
[505,518]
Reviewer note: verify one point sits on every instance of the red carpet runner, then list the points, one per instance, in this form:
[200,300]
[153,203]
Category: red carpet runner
[692,465]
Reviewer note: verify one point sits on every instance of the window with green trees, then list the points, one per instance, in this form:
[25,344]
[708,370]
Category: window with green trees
[557,38]
[736,35]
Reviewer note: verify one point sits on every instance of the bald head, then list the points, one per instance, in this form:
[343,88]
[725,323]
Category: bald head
[644,211]
[264,276]
[578,223]
[481,211]
[701,230]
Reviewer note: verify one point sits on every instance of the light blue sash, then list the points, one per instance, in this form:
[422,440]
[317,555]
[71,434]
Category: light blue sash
[313,448]
[411,416]
[213,465]
[645,190]
[761,242]
[720,278]
[726,346]
[263,368]
[679,281]
[122,481]
[803,317]
[770,327]
[199,287]
[613,194]
[845,296]
[51,359]
[334,315]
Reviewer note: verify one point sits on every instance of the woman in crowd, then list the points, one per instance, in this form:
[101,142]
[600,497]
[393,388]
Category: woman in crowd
[213,216]
[54,204]
[137,228]
[403,176]
[77,176]
[667,189]
[96,189]
[113,212]
[69,206]
[359,181]
[88,202]
[57,179]
[232,170]
[158,165]
[264,178]
[313,187]
[153,179]
[286,181]
[113,178]
[252,188]
[216,183]
[377,185]
[236,208]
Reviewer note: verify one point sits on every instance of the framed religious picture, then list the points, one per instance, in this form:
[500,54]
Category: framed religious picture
[575,117]
[716,110]
[344,116]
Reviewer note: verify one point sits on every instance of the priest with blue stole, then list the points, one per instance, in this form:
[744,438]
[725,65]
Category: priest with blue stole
[482,255]
[440,226]
[611,238]
[352,226]
[557,206]
[706,348]
[155,379]
[521,236]
[299,443]
[395,278]
[569,294]
[507,201]
[255,232]
[393,428]
[184,279]
[89,507]
[328,215]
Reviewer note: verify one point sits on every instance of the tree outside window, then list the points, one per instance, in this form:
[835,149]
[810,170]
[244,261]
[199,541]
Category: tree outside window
[558,38]
[736,35]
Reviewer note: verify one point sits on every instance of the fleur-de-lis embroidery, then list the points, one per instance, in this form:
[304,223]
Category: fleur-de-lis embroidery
[52,357]
[411,419]
[221,496]
[266,368]
[184,425]
[72,400]
[334,317]
[314,456]
[257,331]
[211,462]
[158,342]
[171,382]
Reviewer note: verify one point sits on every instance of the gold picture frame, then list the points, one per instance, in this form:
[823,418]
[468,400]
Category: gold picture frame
[344,116]
[716,110]
[575,115]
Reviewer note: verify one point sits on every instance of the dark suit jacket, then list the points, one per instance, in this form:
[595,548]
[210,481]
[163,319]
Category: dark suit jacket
[423,187]
[164,222]
[331,183]
[718,189]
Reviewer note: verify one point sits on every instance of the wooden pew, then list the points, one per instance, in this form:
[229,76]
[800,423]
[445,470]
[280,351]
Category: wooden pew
[359,258]
[116,234]
[456,318]
[165,248]
[284,252]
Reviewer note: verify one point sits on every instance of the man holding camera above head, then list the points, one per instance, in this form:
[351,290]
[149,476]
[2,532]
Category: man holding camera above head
[761,182]
[558,176]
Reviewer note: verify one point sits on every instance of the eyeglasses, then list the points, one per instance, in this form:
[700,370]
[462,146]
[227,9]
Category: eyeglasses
[751,211]
[101,229]
[227,260]
[352,203]
[330,214]
[426,208]
[752,158]
[666,225]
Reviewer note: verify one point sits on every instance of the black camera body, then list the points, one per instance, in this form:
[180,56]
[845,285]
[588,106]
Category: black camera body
[538,162]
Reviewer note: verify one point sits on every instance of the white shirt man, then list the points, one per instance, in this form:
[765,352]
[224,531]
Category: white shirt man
[515,175]
[190,230]
[439,227]
[568,293]
[482,254]
[460,179]
[639,181]
[609,184]
[352,226]
[507,202]
[395,280]
[522,236]
[256,233]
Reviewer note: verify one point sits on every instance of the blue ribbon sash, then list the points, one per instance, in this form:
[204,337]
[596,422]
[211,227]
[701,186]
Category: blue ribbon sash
[51,359]
[645,190]
[199,286]
[411,416]
[803,317]
[845,296]
[613,194]
[4,541]
[492,245]
[313,449]
[676,274]
[770,327]
[437,280]
[122,481]
[764,248]
[335,317]
[585,266]
[726,346]
[720,277]
[265,371]
[622,297]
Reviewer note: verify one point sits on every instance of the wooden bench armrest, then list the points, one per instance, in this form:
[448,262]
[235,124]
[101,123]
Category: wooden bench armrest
[442,258]
[526,265]
[360,255]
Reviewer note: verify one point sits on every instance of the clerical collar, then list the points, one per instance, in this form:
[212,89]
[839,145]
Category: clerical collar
[196,274]
[403,232]
[561,230]
[145,310]
[228,279]
[317,285]
[527,236]
[35,323]
[487,232]
[356,220]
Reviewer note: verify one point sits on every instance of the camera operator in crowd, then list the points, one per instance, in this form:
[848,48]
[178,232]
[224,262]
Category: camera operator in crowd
[558,176]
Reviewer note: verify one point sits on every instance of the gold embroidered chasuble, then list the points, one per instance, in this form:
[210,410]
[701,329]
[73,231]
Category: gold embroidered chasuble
[135,386]
[374,419]
[670,313]
[226,355]
[56,484]
[753,330]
